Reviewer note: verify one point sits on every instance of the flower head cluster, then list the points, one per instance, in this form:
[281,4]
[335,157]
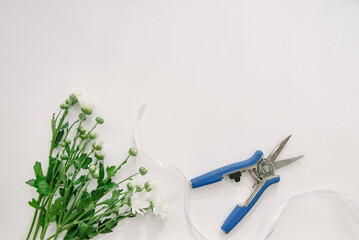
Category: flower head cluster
[141,201]
[86,103]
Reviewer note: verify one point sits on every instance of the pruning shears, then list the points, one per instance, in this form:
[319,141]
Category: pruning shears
[261,169]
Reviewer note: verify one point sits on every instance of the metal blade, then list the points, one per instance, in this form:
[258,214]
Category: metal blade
[273,156]
[286,162]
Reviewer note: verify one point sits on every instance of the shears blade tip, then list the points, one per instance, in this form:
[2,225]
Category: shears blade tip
[274,154]
[286,162]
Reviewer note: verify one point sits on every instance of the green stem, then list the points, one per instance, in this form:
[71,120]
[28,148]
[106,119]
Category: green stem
[86,142]
[124,180]
[34,218]
[32,224]
[71,127]
[46,224]
[43,203]
[123,163]
[58,115]
[36,230]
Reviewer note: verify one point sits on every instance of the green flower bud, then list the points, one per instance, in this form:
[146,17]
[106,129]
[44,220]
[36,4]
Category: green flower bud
[92,168]
[148,186]
[100,155]
[81,129]
[95,174]
[64,157]
[63,106]
[93,135]
[86,110]
[98,144]
[84,136]
[68,141]
[70,174]
[133,151]
[129,186]
[67,101]
[138,189]
[73,99]
[82,117]
[62,144]
[96,147]
[99,120]
[143,171]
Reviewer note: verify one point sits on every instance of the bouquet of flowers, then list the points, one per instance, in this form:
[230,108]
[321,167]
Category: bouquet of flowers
[78,194]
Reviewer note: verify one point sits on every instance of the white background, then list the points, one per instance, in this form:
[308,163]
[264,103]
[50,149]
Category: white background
[221,79]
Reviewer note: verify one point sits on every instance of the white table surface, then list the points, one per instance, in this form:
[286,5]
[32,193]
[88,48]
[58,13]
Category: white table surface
[221,80]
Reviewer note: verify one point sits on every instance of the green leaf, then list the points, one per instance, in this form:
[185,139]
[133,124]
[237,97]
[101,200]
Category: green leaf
[80,179]
[108,224]
[86,163]
[116,193]
[108,184]
[86,229]
[89,213]
[64,126]
[72,216]
[97,194]
[110,171]
[62,192]
[112,201]
[34,204]
[38,171]
[42,187]
[62,173]
[53,128]
[67,148]
[31,182]
[52,163]
[58,138]
[80,161]
[77,163]
[70,193]
[85,201]
[56,208]
[71,233]
[42,218]
[102,173]
[85,195]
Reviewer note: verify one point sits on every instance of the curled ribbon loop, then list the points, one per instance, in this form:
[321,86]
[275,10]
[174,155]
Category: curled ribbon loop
[345,206]
[170,168]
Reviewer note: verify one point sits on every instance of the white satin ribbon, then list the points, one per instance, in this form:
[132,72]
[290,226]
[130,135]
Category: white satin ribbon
[342,203]
[170,168]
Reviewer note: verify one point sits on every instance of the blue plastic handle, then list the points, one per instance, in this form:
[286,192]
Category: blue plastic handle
[217,175]
[239,212]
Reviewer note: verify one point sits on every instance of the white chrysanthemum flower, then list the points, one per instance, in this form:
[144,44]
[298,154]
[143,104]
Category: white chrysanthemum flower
[159,206]
[86,103]
[98,144]
[100,154]
[139,202]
